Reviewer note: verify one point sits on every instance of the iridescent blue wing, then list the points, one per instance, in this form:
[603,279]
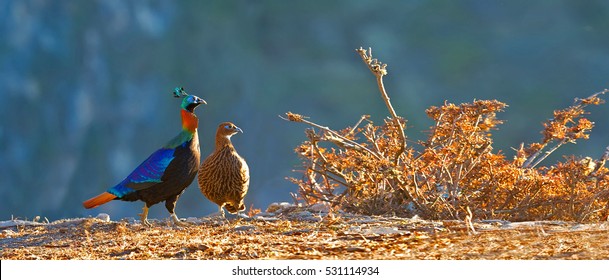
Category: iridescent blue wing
[147,174]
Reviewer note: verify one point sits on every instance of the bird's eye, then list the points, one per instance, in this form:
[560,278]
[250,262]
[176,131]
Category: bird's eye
[227,126]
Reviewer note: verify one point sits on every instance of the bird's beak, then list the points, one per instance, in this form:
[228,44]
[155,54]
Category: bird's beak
[195,103]
[238,129]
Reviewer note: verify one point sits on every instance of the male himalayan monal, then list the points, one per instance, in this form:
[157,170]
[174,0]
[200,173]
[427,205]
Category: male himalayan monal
[165,174]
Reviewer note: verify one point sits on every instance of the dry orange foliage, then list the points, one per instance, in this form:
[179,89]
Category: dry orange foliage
[370,169]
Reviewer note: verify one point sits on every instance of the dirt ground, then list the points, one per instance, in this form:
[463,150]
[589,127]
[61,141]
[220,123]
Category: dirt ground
[297,236]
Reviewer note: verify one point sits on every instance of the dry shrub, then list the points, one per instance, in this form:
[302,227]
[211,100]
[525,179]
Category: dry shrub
[370,168]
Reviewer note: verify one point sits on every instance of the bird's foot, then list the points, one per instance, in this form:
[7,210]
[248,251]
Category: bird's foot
[146,223]
[144,220]
[144,217]
[176,221]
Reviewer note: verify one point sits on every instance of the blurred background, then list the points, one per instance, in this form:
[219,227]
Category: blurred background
[85,86]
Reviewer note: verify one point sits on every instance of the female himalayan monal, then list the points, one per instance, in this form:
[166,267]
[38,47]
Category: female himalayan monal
[224,176]
[165,174]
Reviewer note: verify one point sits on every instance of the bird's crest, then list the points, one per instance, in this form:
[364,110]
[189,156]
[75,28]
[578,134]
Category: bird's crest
[179,92]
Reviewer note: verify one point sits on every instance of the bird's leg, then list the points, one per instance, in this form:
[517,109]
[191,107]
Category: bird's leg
[144,216]
[221,212]
[170,204]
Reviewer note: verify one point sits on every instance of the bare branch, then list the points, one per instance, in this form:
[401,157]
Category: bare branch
[333,134]
[379,70]
[364,117]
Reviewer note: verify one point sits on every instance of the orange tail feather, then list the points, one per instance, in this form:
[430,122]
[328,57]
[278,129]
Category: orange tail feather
[98,200]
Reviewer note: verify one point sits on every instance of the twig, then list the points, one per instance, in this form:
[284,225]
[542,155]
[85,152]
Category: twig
[579,104]
[314,139]
[601,162]
[530,160]
[379,70]
[548,153]
[364,117]
[586,101]
[468,220]
[299,118]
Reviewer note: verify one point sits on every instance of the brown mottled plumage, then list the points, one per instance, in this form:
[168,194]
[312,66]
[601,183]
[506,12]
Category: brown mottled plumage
[224,175]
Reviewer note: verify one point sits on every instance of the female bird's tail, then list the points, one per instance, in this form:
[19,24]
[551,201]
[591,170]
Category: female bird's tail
[98,200]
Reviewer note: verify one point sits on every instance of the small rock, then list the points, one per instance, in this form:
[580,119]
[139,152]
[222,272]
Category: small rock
[320,207]
[4,224]
[365,220]
[193,220]
[273,207]
[268,219]
[103,216]
[381,231]
[8,233]
[264,214]
[11,223]
[282,206]
[129,220]
[302,214]
[305,216]
[243,216]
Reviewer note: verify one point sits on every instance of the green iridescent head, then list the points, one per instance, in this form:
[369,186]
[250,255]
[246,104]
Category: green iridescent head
[190,102]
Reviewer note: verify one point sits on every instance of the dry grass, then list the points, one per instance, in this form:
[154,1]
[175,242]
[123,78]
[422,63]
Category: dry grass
[332,237]
[455,173]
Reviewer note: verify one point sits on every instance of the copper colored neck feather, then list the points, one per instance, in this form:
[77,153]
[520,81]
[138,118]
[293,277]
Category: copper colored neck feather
[222,141]
[190,122]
